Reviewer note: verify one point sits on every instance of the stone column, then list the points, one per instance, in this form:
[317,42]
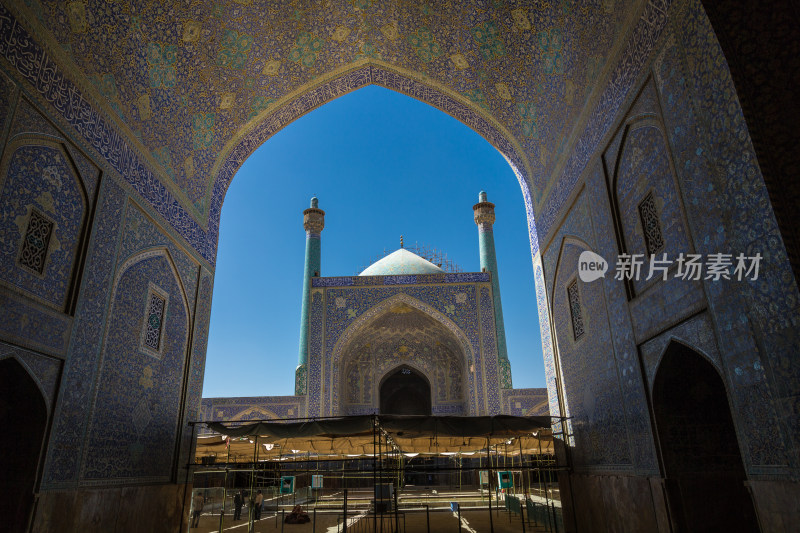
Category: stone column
[313,222]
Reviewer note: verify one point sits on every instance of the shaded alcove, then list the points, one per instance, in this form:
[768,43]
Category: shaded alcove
[23,417]
[405,392]
[705,476]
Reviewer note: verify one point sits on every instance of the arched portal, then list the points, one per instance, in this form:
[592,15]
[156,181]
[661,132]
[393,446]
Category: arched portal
[700,453]
[23,417]
[401,336]
[405,392]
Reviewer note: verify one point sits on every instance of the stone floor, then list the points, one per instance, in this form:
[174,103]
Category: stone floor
[436,521]
[412,517]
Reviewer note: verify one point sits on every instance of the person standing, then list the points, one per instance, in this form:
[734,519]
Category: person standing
[197,508]
[257,505]
[237,505]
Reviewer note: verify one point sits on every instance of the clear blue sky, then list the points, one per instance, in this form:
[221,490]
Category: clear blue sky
[382,165]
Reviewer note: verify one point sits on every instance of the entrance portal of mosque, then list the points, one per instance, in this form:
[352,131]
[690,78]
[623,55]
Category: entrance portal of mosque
[705,476]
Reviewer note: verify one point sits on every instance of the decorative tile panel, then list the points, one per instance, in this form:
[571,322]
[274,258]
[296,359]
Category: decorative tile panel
[575,310]
[155,310]
[35,242]
[69,420]
[44,206]
[651,226]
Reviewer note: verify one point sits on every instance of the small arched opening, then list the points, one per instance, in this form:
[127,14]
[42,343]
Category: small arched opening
[23,415]
[705,476]
[405,392]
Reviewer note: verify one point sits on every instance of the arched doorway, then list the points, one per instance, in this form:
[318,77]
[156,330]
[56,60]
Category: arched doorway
[405,392]
[23,416]
[705,476]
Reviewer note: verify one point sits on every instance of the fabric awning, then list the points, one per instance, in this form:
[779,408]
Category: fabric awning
[354,436]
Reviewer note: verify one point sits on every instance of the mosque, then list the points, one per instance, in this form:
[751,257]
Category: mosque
[657,134]
[402,337]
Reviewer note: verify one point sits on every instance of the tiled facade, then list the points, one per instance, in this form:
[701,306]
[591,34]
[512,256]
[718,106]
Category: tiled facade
[349,310]
[440,325]
[123,123]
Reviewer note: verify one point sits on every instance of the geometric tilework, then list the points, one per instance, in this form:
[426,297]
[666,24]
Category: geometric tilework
[653,238]
[147,414]
[276,53]
[70,417]
[550,117]
[238,70]
[575,309]
[35,242]
[44,205]
[154,321]
[374,325]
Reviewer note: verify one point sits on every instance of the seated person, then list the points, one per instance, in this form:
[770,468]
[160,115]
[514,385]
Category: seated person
[297,516]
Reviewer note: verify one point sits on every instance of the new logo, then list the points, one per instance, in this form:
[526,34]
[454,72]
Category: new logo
[591,266]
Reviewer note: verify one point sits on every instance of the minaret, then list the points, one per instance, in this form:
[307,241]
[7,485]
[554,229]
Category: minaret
[484,218]
[313,222]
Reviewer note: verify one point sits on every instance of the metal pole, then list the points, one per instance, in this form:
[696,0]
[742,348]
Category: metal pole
[489,486]
[458,507]
[250,525]
[480,467]
[497,487]
[374,479]
[396,523]
[344,529]
[380,472]
[192,460]
[222,509]
[546,497]
[225,486]
[460,465]
[283,518]
[428,517]
[279,499]
[523,472]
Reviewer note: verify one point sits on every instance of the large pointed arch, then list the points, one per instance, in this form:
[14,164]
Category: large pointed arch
[345,80]
[334,380]
[678,341]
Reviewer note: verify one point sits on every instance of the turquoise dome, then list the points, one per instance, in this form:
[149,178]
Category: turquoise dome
[399,263]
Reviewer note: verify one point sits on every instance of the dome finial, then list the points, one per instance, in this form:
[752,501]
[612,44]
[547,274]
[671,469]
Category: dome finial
[401,241]
[482,196]
[314,202]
